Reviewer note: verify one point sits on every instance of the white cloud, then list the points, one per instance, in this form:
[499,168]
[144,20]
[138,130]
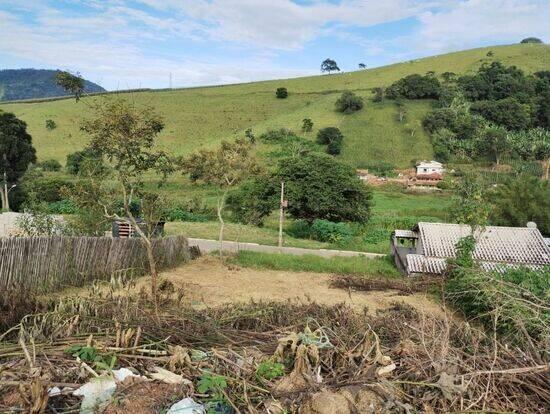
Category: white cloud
[475,21]
[283,24]
[113,41]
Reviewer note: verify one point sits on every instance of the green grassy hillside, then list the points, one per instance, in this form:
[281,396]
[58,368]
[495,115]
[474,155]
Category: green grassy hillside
[203,116]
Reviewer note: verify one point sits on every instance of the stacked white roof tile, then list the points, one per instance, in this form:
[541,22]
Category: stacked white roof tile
[496,247]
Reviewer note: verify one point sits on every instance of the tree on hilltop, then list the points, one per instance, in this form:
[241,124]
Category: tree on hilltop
[71,83]
[329,65]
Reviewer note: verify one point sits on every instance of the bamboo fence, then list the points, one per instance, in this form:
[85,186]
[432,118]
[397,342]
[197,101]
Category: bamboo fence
[46,263]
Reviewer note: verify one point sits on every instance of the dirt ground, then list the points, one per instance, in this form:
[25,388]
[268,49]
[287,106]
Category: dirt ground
[206,283]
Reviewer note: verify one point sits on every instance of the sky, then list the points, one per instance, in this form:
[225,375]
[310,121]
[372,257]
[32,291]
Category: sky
[123,44]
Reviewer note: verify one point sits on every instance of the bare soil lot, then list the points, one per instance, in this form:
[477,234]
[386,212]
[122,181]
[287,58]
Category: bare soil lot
[206,282]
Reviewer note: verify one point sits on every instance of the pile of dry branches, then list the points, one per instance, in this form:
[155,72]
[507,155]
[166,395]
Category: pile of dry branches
[333,358]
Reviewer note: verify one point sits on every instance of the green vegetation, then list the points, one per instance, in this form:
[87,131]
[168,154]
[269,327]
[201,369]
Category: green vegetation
[522,200]
[372,134]
[511,302]
[349,103]
[379,267]
[281,93]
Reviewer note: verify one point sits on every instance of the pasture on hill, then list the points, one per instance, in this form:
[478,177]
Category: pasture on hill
[198,117]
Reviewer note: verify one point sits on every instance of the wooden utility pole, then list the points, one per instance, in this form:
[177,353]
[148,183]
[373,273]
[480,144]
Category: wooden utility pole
[5,200]
[282,214]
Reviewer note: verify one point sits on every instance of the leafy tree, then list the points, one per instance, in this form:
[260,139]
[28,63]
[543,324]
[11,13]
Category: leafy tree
[349,103]
[332,137]
[508,113]
[415,87]
[254,199]
[319,187]
[362,66]
[224,167]
[531,40]
[16,153]
[329,65]
[493,140]
[50,124]
[496,81]
[521,200]
[124,134]
[490,53]
[533,144]
[470,205]
[73,84]
[307,125]
[281,93]
[445,144]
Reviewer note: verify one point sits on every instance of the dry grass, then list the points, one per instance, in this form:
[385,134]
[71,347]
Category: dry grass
[398,361]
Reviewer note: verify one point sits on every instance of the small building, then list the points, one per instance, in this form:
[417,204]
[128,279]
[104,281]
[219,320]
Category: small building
[425,249]
[426,168]
[124,229]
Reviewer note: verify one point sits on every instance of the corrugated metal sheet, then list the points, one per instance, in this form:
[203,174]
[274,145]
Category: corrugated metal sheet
[512,245]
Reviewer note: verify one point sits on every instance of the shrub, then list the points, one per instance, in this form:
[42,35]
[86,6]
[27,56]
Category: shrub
[48,190]
[307,125]
[299,229]
[50,124]
[78,159]
[62,207]
[277,135]
[415,87]
[333,138]
[49,165]
[378,94]
[349,102]
[181,214]
[281,93]
[328,231]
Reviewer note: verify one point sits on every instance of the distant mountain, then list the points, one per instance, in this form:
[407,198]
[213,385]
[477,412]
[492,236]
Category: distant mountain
[16,84]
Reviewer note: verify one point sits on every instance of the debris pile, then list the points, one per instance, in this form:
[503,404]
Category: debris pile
[117,355]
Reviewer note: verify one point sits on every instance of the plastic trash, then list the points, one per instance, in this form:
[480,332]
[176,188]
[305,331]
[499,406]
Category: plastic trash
[168,377]
[52,392]
[96,392]
[187,406]
[123,373]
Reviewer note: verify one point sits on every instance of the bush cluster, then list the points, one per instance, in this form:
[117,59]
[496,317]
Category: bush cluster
[49,165]
[281,93]
[349,103]
[414,87]
[321,230]
[333,138]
